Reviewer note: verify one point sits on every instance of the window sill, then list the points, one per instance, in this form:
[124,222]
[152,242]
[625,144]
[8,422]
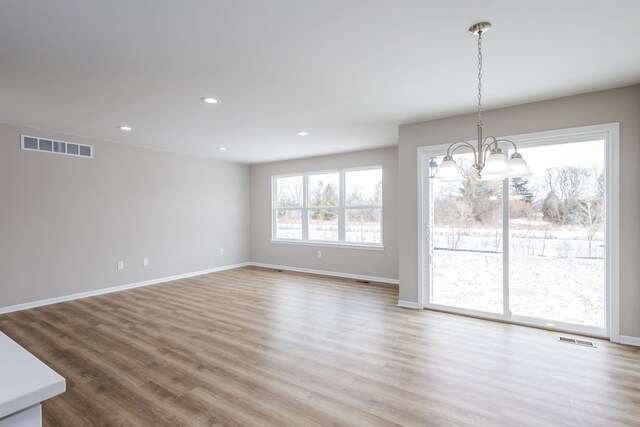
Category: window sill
[329,244]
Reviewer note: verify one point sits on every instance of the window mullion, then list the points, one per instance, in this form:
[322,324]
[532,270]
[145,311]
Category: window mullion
[506,303]
[341,210]
[305,207]
[274,205]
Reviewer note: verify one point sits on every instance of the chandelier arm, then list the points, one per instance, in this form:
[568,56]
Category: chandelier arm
[486,146]
[494,142]
[515,147]
[454,147]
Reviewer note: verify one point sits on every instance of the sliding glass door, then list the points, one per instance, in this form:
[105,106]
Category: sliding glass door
[466,243]
[530,250]
[556,236]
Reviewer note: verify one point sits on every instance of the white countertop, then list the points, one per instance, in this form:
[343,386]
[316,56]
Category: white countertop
[24,379]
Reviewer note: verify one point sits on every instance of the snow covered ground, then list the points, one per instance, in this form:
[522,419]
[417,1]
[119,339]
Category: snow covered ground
[557,289]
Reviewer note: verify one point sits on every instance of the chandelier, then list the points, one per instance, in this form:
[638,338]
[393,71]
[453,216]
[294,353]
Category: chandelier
[490,163]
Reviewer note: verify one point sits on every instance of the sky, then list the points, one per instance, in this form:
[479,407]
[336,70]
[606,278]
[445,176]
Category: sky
[589,154]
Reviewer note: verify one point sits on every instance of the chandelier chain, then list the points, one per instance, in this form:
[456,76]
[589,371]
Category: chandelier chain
[480,78]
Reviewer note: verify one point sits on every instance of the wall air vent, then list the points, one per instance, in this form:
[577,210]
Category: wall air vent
[34,143]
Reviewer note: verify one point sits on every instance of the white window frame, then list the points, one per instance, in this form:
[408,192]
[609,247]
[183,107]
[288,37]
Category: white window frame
[610,132]
[341,209]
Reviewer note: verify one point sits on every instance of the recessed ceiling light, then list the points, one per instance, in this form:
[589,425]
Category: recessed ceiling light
[222,148]
[209,100]
[125,128]
[303,133]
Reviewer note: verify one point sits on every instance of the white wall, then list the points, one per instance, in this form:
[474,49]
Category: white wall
[66,221]
[383,264]
[617,105]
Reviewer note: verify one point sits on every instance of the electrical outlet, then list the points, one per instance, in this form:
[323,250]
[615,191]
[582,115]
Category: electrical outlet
[221,251]
[145,262]
[120,265]
[319,254]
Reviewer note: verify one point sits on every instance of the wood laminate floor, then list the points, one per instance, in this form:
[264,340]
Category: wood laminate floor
[260,347]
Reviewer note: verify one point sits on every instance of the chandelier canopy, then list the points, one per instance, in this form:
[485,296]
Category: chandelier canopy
[490,162]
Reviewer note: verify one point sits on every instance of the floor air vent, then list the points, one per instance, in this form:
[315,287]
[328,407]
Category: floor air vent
[577,342]
[34,143]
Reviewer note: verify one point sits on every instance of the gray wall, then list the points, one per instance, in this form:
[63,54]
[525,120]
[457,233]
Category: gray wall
[616,105]
[345,260]
[66,221]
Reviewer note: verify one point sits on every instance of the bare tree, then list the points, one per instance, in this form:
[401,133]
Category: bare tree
[600,183]
[548,234]
[290,191]
[571,181]
[567,185]
[588,213]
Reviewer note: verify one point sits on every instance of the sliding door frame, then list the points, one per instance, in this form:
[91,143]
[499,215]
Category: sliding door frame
[610,133]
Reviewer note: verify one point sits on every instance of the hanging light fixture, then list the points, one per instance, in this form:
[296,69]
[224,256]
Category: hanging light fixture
[490,162]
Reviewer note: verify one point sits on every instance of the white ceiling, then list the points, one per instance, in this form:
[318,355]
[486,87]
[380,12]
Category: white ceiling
[349,71]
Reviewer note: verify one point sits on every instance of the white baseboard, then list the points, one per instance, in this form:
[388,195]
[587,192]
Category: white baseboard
[102,291]
[408,304]
[327,273]
[627,340]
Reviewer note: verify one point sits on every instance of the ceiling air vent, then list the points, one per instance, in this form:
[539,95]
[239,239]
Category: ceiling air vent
[34,143]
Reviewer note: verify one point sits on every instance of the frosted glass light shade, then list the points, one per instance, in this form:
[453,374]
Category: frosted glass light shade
[496,164]
[449,171]
[519,167]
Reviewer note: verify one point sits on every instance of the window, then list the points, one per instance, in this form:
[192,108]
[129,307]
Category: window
[341,207]
[363,206]
[324,206]
[289,204]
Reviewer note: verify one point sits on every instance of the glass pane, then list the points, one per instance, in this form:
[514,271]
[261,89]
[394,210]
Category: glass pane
[324,189]
[72,149]
[85,150]
[363,187]
[556,229]
[466,242]
[46,145]
[323,224]
[289,192]
[31,143]
[363,225]
[289,224]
